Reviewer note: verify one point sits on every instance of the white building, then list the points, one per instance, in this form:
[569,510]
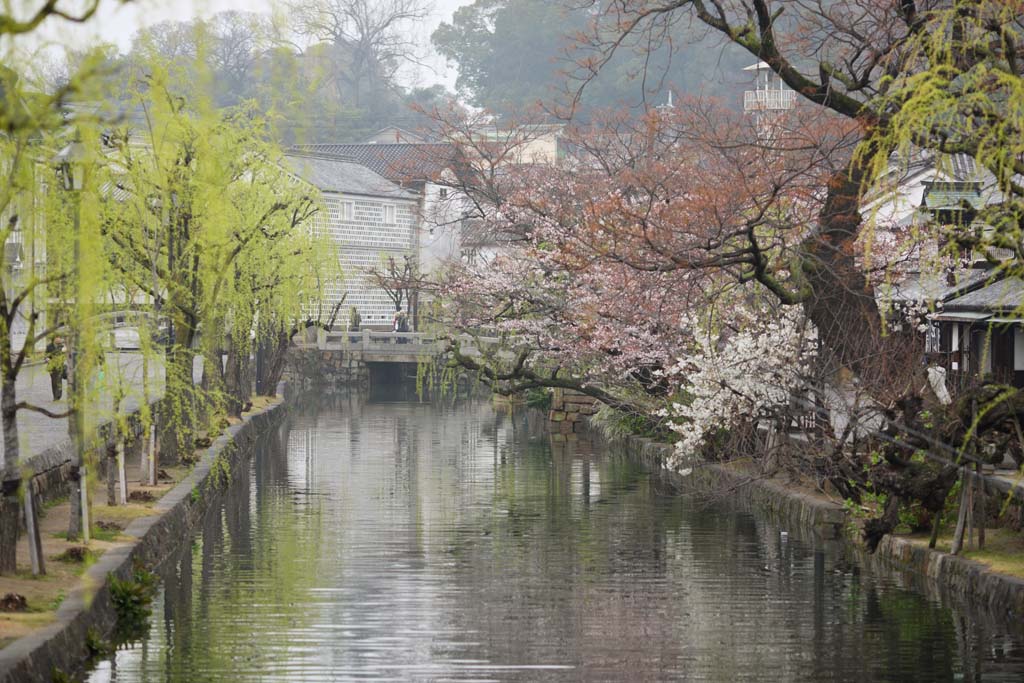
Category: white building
[370,219]
[425,171]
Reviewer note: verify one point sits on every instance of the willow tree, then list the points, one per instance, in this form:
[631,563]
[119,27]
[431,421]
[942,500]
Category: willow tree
[199,205]
[31,122]
[26,142]
[277,279]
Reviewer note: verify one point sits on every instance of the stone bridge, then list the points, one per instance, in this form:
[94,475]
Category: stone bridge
[369,346]
[350,358]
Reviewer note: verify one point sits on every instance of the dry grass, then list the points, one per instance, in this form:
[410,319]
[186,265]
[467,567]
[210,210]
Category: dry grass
[1003,553]
[44,594]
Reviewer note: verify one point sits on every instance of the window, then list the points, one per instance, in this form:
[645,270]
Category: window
[389,213]
[443,193]
[348,211]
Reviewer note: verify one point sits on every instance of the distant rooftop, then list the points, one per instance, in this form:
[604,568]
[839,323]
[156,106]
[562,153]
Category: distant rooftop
[932,287]
[1006,295]
[393,134]
[398,162]
[345,176]
[952,196]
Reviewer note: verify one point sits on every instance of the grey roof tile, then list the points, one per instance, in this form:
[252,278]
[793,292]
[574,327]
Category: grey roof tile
[399,162]
[344,176]
[1004,295]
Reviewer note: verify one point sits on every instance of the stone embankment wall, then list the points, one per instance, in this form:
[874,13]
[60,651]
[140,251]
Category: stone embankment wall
[569,410]
[969,584]
[313,368]
[61,646]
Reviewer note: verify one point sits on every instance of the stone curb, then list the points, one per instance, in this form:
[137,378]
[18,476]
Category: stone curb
[61,645]
[967,582]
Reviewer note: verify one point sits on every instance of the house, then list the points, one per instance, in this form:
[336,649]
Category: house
[427,170]
[394,134]
[370,219]
[974,329]
[981,334]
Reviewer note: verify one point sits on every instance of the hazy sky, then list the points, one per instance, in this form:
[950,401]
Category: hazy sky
[117,23]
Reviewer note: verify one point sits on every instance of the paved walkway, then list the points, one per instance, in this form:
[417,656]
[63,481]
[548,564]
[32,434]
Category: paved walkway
[38,432]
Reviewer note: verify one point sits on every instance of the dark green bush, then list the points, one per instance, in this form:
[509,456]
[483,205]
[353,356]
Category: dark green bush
[132,598]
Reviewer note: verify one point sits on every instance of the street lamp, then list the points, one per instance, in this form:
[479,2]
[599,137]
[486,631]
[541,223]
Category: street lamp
[70,167]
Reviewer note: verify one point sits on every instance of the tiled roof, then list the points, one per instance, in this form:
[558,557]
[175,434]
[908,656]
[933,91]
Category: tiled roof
[937,286]
[1004,295]
[345,176]
[941,195]
[399,162]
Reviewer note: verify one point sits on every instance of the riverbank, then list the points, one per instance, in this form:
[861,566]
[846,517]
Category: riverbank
[969,582]
[61,645]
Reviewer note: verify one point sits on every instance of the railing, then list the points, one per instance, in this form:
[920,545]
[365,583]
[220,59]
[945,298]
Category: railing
[397,343]
[369,340]
[768,100]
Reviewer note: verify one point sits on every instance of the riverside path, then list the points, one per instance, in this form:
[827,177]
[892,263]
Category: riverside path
[38,432]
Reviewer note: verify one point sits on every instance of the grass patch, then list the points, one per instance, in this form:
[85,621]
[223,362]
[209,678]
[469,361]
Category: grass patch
[96,534]
[124,513]
[17,624]
[1003,553]
[260,402]
[56,602]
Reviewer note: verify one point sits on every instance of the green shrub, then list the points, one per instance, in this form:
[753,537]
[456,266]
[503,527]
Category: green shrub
[132,598]
[97,645]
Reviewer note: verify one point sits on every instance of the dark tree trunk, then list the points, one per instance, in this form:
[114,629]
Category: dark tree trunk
[177,406]
[233,382]
[111,474]
[275,358]
[11,485]
[842,302]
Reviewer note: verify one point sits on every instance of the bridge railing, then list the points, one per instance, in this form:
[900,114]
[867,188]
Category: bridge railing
[384,342]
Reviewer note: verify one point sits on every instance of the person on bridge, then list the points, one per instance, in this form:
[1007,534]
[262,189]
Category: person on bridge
[354,321]
[401,324]
[55,366]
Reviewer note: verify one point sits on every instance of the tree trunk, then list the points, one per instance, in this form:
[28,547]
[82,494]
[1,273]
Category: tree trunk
[177,407]
[111,466]
[274,361]
[233,382]
[9,520]
[75,502]
[11,485]
[842,302]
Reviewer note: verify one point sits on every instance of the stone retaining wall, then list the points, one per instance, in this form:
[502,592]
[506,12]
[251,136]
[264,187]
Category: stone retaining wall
[569,410]
[968,583]
[313,368]
[61,645]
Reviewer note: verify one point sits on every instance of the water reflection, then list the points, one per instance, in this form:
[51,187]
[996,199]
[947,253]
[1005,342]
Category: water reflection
[403,541]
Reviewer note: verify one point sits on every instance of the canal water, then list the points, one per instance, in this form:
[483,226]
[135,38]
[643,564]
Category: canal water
[409,542]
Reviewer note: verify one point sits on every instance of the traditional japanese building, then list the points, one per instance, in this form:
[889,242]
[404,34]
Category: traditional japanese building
[369,218]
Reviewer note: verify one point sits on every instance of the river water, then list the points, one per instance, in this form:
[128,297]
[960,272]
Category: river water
[397,541]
